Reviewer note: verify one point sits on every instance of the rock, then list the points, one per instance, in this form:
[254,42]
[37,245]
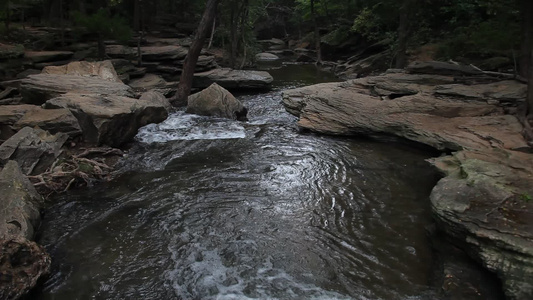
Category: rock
[22,264]
[233,79]
[35,150]
[509,91]
[109,119]
[51,120]
[9,115]
[484,202]
[36,89]
[101,69]
[148,82]
[156,98]
[120,51]
[352,108]
[27,73]
[363,65]
[266,57]
[441,68]
[218,102]
[8,52]
[162,53]
[48,56]
[20,204]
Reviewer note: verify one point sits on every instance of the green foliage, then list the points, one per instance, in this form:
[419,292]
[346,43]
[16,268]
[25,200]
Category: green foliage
[526,197]
[368,24]
[102,23]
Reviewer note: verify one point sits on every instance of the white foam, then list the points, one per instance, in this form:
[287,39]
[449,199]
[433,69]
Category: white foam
[182,126]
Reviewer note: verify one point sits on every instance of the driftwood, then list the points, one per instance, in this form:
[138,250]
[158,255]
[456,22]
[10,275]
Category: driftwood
[78,169]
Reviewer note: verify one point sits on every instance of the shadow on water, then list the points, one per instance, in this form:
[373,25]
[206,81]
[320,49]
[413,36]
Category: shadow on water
[219,209]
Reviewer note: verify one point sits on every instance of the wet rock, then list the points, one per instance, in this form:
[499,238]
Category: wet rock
[51,120]
[266,57]
[48,56]
[101,69]
[233,79]
[484,203]
[22,264]
[36,89]
[218,102]
[441,68]
[20,203]
[109,119]
[33,149]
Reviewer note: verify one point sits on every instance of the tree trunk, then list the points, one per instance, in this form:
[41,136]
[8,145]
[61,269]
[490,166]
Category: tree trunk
[8,17]
[137,15]
[317,33]
[185,84]
[529,111]
[101,47]
[527,37]
[403,35]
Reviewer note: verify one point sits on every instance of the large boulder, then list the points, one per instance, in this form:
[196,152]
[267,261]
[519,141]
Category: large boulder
[109,119]
[20,204]
[266,57]
[101,69]
[233,79]
[35,150]
[36,89]
[216,101]
[406,110]
[484,202]
[51,120]
[155,97]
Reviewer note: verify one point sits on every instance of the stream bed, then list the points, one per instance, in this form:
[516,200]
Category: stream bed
[208,208]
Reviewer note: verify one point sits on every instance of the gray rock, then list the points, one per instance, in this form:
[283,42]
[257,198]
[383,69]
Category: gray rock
[36,89]
[109,119]
[19,204]
[502,91]
[161,53]
[148,82]
[120,51]
[155,97]
[34,150]
[216,101]
[233,79]
[9,115]
[266,57]
[51,120]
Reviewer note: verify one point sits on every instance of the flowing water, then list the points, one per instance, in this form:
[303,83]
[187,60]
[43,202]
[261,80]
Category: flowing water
[217,209]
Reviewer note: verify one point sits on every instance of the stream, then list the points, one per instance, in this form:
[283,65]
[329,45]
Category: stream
[209,208]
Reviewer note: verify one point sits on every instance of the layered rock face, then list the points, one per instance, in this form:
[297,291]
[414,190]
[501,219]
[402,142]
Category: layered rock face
[484,202]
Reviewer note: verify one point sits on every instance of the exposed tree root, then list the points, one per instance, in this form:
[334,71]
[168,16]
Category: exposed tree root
[71,170]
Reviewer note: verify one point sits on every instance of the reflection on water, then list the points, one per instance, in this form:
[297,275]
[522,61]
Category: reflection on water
[239,210]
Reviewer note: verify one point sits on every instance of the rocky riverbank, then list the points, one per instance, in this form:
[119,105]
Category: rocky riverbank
[483,202]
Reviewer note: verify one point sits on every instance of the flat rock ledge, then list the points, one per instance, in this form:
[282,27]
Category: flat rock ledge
[484,201]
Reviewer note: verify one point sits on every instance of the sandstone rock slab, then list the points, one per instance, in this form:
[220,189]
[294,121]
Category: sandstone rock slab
[51,120]
[101,69]
[36,89]
[233,79]
[109,119]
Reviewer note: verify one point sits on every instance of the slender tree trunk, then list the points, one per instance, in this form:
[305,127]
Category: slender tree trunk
[529,112]
[137,15]
[101,47]
[8,17]
[527,37]
[212,35]
[233,37]
[403,35]
[317,33]
[62,23]
[185,84]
